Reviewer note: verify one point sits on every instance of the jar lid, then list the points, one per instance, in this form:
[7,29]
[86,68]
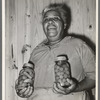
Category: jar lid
[61,58]
[28,65]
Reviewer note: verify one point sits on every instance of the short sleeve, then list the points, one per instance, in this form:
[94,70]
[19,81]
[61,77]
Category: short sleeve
[37,53]
[88,61]
[33,54]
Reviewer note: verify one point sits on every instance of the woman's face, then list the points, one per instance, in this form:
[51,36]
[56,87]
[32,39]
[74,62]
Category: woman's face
[53,26]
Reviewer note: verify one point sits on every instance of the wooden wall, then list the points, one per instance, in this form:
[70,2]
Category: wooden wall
[24,31]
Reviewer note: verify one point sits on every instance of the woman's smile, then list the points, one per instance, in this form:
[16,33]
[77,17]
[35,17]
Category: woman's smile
[53,26]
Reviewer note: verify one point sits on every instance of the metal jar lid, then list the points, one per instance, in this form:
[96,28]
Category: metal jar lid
[28,65]
[61,58]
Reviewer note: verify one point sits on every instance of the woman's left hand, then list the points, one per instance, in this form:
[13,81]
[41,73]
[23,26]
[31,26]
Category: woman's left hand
[57,88]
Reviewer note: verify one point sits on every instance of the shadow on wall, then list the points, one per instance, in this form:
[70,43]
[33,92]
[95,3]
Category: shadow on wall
[82,37]
[68,21]
[85,39]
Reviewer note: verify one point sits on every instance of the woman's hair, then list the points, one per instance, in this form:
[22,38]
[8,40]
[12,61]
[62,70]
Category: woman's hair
[62,9]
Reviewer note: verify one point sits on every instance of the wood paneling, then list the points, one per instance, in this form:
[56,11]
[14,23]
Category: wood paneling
[24,31]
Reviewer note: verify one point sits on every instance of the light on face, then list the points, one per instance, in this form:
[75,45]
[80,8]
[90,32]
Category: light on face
[53,25]
[55,18]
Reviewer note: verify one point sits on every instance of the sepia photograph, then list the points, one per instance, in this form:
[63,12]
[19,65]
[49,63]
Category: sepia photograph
[50,50]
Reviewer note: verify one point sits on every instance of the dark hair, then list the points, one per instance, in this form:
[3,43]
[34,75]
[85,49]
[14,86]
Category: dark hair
[63,9]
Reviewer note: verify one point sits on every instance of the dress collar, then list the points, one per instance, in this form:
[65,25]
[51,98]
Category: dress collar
[62,42]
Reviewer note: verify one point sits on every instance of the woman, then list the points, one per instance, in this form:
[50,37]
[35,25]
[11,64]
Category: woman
[55,22]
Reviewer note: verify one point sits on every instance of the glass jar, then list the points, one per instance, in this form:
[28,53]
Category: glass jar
[25,80]
[62,70]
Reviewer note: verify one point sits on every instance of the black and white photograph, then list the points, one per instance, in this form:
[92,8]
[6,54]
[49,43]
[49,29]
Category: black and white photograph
[50,50]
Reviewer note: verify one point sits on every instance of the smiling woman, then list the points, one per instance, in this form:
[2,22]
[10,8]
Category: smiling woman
[23,47]
[77,56]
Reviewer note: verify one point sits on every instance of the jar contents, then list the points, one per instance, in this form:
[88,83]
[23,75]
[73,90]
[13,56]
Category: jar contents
[24,85]
[62,70]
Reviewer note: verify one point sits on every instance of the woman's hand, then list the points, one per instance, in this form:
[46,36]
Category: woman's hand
[25,83]
[57,88]
[25,89]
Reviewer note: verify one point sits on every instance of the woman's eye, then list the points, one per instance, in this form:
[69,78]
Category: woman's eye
[56,19]
[46,20]
[51,19]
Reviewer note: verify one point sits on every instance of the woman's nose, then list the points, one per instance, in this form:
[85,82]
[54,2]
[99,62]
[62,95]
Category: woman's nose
[50,21]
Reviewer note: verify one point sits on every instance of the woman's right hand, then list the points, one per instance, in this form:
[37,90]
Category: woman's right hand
[24,88]
[25,83]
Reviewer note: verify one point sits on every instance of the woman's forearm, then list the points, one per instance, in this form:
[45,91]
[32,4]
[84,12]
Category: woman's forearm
[85,84]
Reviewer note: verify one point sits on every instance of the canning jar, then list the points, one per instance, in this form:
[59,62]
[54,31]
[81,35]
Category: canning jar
[62,70]
[25,81]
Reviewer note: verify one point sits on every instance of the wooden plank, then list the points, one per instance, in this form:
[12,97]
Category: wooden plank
[10,36]
[91,21]
[27,31]
[20,14]
[23,26]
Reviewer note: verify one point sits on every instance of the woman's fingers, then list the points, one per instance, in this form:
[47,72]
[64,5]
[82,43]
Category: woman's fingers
[60,87]
[55,87]
[73,84]
[30,92]
[22,91]
[27,91]
[20,86]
